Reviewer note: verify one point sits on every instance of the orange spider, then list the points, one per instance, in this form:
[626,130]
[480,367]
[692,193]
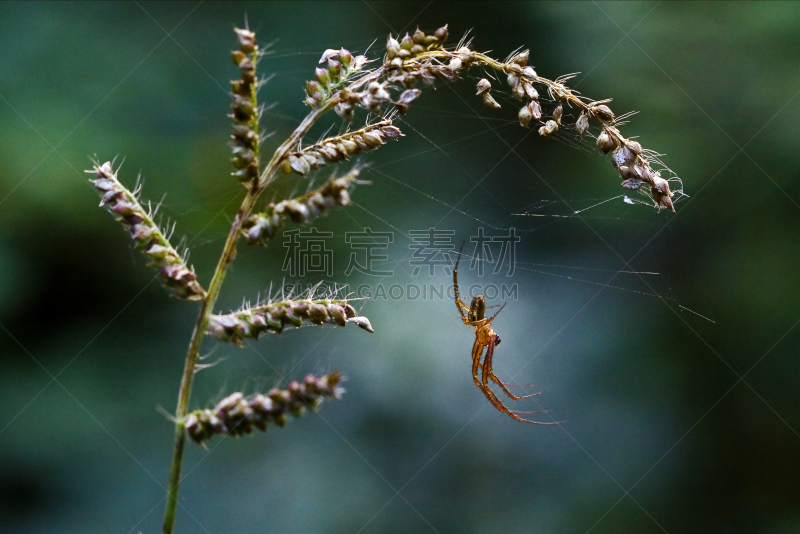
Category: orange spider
[485,337]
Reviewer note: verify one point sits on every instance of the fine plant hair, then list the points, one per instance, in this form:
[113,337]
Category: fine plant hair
[342,83]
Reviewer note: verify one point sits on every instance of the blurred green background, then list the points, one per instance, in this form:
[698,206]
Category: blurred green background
[672,422]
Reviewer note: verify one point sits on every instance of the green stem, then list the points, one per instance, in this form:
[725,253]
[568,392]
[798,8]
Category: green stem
[227,257]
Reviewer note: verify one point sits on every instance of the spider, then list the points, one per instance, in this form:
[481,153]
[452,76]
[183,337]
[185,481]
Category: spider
[486,337]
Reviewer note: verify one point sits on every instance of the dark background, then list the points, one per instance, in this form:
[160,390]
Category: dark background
[672,422]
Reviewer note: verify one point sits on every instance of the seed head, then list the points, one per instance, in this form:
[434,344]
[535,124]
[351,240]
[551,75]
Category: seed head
[236,415]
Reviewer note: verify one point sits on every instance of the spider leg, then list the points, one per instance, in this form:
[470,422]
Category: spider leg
[487,372]
[477,350]
[503,384]
[498,312]
[459,304]
[505,390]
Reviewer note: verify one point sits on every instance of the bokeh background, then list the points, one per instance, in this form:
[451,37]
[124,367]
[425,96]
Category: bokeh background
[677,390]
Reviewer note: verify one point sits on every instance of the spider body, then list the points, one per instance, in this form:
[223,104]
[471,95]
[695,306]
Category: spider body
[485,336]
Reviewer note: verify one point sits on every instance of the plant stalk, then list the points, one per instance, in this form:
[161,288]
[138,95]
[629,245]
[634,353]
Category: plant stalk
[226,258]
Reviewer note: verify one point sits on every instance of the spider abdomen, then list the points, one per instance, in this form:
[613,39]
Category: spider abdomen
[477,310]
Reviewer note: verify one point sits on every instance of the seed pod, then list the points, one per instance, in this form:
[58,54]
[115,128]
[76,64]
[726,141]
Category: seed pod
[632,184]
[530,74]
[550,127]
[454,64]
[407,42]
[634,146]
[557,114]
[648,174]
[513,81]
[345,58]
[247,40]
[441,34]
[536,109]
[311,159]
[359,140]
[299,165]
[392,48]
[391,132]
[237,56]
[602,112]
[524,116]
[489,101]
[334,69]
[622,155]
[522,58]
[416,50]
[373,138]
[337,314]
[582,124]
[328,152]
[345,111]
[659,189]
[363,322]
[418,37]
[518,92]
[530,91]
[239,87]
[605,142]
[484,86]
[409,95]
[350,146]
[342,150]
[330,53]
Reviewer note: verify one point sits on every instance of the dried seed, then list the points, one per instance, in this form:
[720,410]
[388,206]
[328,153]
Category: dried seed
[536,109]
[602,112]
[530,91]
[489,101]
[557,114]
[550,127]
[605,142]
[484,86]
[373,138]
[524,116]
[530,74]
[582,124]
